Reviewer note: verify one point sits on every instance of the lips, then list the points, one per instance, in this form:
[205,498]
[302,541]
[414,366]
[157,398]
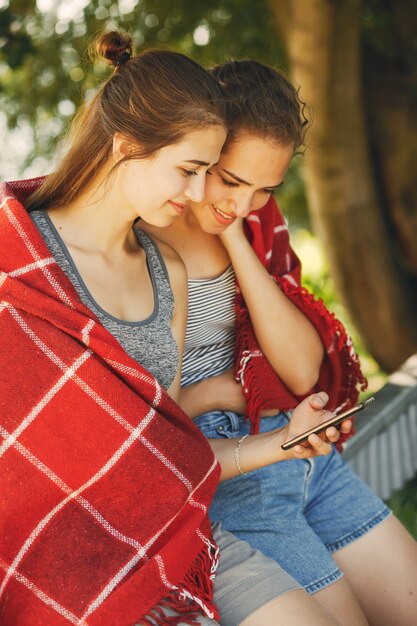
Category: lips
[225,219]
[180,208]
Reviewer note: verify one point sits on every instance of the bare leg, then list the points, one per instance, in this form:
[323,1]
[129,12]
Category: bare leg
[381,569]
[339,601]
[292,609]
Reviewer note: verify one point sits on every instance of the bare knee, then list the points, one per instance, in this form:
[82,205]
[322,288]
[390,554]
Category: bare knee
[339,600]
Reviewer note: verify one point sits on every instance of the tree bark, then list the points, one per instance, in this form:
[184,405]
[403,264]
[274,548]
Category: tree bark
[390,85]
[346,202]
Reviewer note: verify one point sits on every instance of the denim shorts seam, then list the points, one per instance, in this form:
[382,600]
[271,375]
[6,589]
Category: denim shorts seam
[347,539]
[317,585]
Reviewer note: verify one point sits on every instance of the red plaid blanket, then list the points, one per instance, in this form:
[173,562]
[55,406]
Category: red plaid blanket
[104,481]
[340,373]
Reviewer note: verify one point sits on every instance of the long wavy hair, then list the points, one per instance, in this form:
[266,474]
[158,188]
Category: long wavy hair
[154,99]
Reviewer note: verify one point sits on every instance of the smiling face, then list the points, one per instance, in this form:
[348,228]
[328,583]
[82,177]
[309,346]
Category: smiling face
[157,188]
[242,181]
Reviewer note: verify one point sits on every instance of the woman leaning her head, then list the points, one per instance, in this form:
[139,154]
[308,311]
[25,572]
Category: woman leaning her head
[113,504]
[154,99]
[266,128]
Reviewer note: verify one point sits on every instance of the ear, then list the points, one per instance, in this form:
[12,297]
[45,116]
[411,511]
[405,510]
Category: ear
[122,147]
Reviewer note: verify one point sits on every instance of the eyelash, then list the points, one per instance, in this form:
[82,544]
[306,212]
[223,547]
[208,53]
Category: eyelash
[228,183]
[190,172]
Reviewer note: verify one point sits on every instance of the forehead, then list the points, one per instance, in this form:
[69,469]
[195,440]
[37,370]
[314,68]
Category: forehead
[202,145]
[256,159]
[245,142]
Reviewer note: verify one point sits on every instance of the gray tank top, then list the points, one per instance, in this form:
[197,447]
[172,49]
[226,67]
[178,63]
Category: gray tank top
[150,342]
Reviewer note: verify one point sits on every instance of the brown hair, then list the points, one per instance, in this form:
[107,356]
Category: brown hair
[155,99]
[263,102]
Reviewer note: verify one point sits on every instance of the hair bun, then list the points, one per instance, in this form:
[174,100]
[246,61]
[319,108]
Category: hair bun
[114,46]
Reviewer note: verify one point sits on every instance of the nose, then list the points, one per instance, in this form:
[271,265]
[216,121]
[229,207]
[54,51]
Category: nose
[195,188]
[240,206]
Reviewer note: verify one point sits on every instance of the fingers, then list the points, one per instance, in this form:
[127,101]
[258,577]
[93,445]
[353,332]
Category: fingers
[322,445]
[319,400]
[346,426]
[332,434]
[319,445]
[316,446]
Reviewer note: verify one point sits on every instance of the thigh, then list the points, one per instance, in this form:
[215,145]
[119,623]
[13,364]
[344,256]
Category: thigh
[381,567]
[266,509]
[246,579]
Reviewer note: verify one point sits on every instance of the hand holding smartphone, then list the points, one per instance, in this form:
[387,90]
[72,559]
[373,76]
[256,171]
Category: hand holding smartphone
[333,421]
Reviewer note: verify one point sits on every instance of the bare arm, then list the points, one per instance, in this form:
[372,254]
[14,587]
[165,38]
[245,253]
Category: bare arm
[287,338]
[264,449]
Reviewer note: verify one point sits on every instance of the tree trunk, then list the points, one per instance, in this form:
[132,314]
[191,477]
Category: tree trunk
[347,205]
[390,81]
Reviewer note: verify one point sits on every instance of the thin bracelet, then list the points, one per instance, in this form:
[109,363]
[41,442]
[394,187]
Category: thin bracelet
[237,450]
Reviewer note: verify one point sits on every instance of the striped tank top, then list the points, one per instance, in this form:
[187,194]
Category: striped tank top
[210,335]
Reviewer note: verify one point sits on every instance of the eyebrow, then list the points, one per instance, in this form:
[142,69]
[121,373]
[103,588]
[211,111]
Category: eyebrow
[195,162]
[245,182]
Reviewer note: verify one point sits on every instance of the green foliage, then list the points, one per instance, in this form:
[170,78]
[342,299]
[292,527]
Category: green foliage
[316,277]
[291,196]
[389,29]
[44,70]
[404,505]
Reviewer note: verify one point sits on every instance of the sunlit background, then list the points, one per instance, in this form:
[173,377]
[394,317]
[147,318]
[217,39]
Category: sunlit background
[47,75]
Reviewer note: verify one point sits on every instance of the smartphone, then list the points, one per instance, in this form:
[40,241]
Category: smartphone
[333,421]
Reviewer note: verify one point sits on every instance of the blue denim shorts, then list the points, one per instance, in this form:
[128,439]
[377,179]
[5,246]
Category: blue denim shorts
[297,512]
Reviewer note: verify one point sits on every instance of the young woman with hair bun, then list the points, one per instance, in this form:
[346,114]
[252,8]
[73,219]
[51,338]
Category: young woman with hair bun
[105,482]
[256,343]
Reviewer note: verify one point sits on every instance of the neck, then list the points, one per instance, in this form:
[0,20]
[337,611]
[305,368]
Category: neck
[95,220]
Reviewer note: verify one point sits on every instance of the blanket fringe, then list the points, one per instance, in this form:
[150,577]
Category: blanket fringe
[193,597]
[341,374]
[158,617]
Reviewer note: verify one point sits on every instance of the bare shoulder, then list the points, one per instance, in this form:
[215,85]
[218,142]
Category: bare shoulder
[174,263]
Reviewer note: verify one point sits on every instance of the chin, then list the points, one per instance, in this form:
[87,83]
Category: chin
[167,221]
[213,229]
[161,222]
[210,226]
